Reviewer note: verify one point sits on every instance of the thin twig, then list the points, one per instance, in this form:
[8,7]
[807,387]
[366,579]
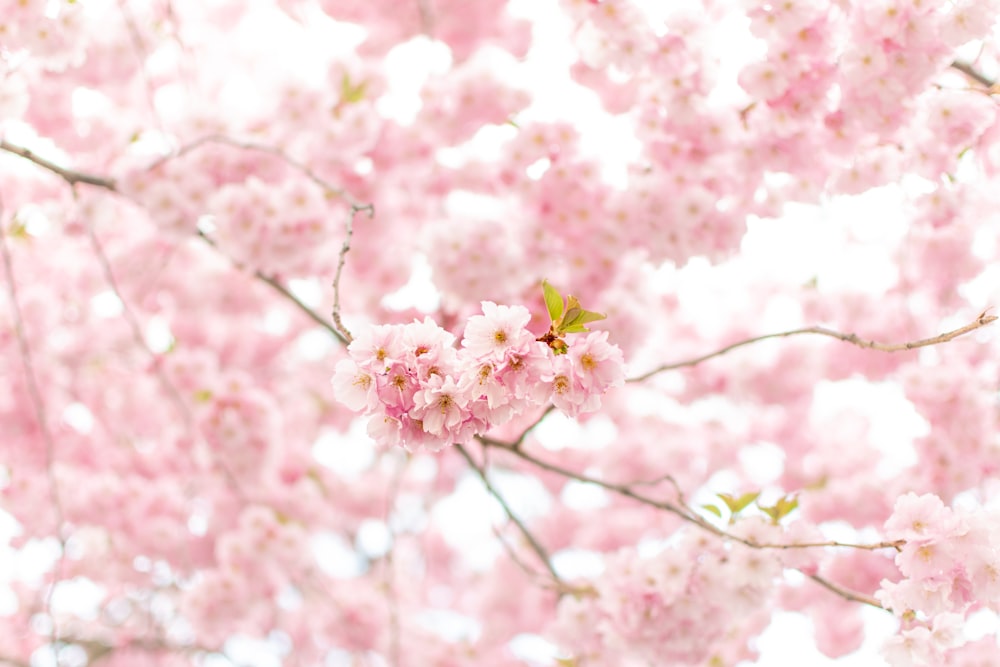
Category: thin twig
[38,404]
[691,517]
[73,177]
[70,176]
[309,312]
[981,320]
[664,478]
[300,166]
[968,70]
[847,594]
[345,335]
[532,541]
[531,572]
[276,285]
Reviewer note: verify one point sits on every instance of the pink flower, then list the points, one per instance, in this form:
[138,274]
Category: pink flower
[498,332]
[920,518]
[354,387]
[377,347]
[598,364]
[440,404]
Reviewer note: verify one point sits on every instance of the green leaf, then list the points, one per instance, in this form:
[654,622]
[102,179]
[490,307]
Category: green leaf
[576,328]
[785,506]
[735,504]
[202,396]
[581,317]
[553,301]
[713,509]
[349,92]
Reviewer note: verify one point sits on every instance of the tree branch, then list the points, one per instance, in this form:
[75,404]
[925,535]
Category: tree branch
[341,330]
[847,594]
[70,176]
[691,517]
[981,320]
[532,541]
[303,168]
[277,286]
[968,70]
[74,177]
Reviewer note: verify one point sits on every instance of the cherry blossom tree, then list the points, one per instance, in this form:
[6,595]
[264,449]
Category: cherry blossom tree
[557,332]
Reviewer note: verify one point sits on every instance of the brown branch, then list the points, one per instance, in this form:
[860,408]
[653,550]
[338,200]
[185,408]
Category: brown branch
[303,168]
[874,546]
[532,541]
[70,176]
[968,70]
[846,593]
[276,285]
[343,333]
[691,517]
[981,320]
[74,177]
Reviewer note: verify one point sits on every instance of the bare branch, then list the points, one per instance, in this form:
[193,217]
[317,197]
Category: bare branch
[981,320]
[874,546]
[70,176]
[277,286]
[847,594]
[342,331]
[303,168]
[74,177]
[532,541]
[968,70]
[691,517]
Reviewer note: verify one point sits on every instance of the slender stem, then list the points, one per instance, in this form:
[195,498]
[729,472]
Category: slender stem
[847,594]
[73,177]
[981,320]
[968,70]
[277,286]
[298,165]
[691,517]
[532,541]
[70,176]
[342,331]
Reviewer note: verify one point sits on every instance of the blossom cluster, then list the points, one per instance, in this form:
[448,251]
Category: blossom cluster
[674,607]
[423,392]
[950,564]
